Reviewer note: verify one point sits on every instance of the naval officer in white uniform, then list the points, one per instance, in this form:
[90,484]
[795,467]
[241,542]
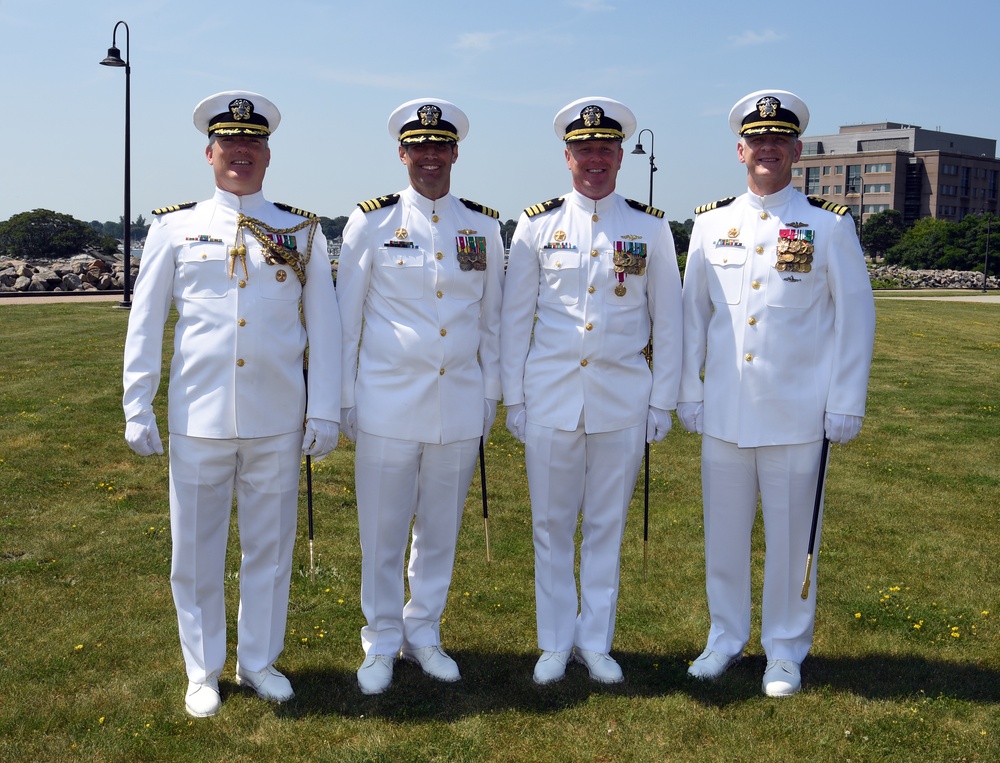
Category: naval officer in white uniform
[779,320]
[419,284]
[252,286]
[589,274]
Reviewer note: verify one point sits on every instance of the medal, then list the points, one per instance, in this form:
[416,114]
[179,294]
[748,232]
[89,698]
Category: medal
[280,276]
[620,290]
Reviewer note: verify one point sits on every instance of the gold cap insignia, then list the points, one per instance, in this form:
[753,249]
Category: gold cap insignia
[241,109]
[429,115]
[768,106]
[592,115]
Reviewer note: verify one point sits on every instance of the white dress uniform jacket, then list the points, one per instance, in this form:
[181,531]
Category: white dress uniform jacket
[236,370]
[778,348]
[430,354]
[585,353]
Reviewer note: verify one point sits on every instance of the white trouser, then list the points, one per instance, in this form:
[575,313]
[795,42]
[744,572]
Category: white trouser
[785,478]
[399,482]
[570,472]
[204,473]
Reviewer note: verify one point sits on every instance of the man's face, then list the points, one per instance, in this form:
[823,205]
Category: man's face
[429,166]
[769,159]
[594,165]
[240,162]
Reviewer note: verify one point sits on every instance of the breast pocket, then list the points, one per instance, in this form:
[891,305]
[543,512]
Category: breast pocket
[400,273]
[561,275]
[790,289]
[202,270]
[725,274]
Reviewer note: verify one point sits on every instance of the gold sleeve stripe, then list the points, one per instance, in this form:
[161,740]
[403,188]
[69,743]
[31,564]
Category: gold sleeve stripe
[644,208]
[477,207]
[378,202]
[829,206]
[545,206]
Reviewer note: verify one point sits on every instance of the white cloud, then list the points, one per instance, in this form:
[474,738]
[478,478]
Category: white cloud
[478,41]
[756,38]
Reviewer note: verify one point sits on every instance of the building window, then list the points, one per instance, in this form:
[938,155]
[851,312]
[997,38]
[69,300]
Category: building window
[871,209]
[949,190]
[826,190]
[812,180]
[878,168]
[796,172]
[949,169]
[838,170]
[965,181]
[878,187]
[993,183]
[826,170]
[838,190]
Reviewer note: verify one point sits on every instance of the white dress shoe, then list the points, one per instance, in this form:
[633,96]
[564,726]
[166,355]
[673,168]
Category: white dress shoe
[602,666]
[202,700]
[551,666]
[269,683]
[782,678]
[710,665]
[434,662]
[375,673]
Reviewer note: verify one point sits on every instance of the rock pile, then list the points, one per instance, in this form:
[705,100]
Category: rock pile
[896,277]
[84,272]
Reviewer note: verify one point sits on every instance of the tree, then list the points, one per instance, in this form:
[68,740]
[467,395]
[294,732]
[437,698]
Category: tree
[332,227]
[881,232]
[42,233]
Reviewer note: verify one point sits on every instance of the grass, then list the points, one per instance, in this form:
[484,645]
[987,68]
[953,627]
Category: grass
[905,665]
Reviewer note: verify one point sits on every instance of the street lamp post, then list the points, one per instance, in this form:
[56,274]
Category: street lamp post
[986,261]
[861,204]
[114,58]
[652,167]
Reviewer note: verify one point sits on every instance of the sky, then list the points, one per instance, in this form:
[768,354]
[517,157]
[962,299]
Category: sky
[337,69]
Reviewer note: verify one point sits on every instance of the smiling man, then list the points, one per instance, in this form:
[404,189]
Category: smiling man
[779,326]
[419,284]
[590,274]
[251,284]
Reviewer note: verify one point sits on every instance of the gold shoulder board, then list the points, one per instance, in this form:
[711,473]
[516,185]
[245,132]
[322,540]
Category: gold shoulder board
[174,208]
[715,205]
[829,206]
[295,210]
[545,206]
[644,208]
[476,207]
[378,203]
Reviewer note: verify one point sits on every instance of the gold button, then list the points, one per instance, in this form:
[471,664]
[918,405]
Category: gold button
[752,321]
[755,284]
[440,294]
[593,252]
[240,362]
[435,218]
[748,357]
[439,255]
[559,264]
[204,256]
[399,262]
[444,332]
[591,289]
[725,260]
[243,284]
[759,249]
[243,321]
[763,215]
[583,362]
[441,372]
[590,327]
[595,218]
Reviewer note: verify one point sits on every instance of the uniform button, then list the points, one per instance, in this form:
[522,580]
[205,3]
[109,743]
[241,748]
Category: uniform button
[441,372]
[440,294]
[559,264]
[444,332]
[590,327]
[748,358]
[752,321]
[399,262]
[591,289]
[204,256]
[243,284]
[241,362]
[725,260]
[243,321]
[583,362]
[755,284]
[763,215]
[593,253]
[759,249]
[440,255]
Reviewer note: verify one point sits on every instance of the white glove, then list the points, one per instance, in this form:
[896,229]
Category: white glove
[489,416]
[840,427]
[142,436]
[516,419]
[349,423]
[658,424]
[321,437]
[691,415]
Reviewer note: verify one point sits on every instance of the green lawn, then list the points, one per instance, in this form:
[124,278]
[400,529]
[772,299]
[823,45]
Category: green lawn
[905,665]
